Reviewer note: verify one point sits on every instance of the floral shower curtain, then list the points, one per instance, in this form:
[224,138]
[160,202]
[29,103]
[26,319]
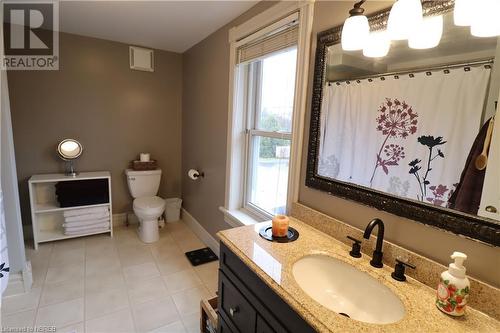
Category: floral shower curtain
[408,136]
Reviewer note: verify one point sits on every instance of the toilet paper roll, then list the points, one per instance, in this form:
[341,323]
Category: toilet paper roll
[144,157]
[193,174]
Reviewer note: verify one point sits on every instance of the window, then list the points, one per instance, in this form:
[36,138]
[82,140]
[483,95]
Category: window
[269,89]
[268,59]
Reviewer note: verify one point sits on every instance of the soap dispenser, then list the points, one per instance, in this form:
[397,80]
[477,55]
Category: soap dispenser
[453,288]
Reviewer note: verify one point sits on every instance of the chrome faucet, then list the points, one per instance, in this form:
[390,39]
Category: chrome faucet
[377,254]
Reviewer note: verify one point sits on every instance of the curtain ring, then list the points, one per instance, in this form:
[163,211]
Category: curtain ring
[396,77]
[370,80]
[358,81]
[382,78]
[338,83]
[428,73]
[348,82]
[411,75]
[467,69]
[446,71]
[487,66]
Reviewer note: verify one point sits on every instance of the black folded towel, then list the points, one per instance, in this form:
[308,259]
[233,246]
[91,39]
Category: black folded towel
[82,192]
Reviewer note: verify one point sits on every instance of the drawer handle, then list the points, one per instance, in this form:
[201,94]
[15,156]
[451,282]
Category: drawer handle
[234,310]
[491,209]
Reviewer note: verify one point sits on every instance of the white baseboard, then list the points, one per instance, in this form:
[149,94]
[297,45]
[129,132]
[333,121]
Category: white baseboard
[19,283]
[199,231]
[121,219]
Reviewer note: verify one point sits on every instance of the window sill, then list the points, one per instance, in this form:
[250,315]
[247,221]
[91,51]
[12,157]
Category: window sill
[239,217]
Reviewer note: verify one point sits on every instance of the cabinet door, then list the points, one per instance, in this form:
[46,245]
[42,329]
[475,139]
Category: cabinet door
[235,307]
[223,327]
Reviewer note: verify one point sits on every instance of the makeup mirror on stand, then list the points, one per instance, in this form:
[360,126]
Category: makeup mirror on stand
[69,150]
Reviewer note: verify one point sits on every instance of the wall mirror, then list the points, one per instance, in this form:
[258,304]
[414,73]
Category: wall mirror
[412,132]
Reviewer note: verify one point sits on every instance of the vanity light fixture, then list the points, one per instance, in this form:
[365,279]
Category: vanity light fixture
[428,35]
[377,45]
[356,29]
[485,22]
[462,14]
[404,18]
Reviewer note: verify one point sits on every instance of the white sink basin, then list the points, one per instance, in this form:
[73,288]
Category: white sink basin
[346,290]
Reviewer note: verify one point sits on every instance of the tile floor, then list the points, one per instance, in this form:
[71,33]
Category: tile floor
[101,284]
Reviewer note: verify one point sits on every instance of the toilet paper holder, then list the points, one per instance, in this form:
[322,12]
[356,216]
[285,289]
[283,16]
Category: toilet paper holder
[195,174]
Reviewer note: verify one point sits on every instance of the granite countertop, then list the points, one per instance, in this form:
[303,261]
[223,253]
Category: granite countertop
[273,262]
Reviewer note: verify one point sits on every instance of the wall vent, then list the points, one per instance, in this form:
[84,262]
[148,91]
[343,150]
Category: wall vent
[141,59]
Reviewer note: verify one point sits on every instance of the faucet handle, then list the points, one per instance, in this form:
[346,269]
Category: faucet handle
[399,270]
[356,247]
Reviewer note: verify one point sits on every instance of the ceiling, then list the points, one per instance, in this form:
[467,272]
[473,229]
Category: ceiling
[168,25]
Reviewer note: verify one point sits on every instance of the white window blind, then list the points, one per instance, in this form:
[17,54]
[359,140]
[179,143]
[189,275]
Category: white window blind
[273,42]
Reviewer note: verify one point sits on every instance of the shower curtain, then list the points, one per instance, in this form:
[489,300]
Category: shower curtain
[4,257]
[407,135]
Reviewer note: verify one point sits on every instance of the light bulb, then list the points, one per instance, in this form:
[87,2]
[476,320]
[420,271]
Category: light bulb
[428,35]
[485,21]
[404,18]
[355,32]
[377,44]
[463,13]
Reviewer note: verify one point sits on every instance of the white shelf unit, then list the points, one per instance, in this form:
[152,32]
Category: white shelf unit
[46,214]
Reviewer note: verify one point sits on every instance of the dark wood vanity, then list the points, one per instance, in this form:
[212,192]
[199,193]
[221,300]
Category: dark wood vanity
[247,304]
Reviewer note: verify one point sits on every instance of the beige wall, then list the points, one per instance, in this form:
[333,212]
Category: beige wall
[204,123]
[426,240]
[113,111]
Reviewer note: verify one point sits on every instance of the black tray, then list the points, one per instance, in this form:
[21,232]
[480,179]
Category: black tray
[266,232]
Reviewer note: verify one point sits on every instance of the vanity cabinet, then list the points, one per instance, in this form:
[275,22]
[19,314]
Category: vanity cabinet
[248,305]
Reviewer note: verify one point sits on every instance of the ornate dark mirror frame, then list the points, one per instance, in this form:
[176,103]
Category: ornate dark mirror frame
[482,229]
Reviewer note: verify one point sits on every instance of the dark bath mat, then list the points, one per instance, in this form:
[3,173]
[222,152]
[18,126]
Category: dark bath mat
[201,256]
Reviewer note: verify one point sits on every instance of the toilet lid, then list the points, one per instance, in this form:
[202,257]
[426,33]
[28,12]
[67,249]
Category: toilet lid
[149,202]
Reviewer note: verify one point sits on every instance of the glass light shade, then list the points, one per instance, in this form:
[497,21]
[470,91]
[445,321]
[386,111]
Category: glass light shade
[404,18]
[464,12]
[428,35]
[355,32]
[485,22]
[377,44]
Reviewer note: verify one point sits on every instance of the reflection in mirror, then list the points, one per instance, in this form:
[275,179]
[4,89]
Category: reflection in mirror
[416,124]
[69,150]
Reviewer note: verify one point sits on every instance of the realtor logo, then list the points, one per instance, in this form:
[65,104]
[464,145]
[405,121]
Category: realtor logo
[30,35]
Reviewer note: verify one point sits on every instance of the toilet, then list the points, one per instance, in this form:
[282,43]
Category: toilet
[143,186]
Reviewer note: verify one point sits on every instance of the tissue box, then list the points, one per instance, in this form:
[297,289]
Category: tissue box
[141,166]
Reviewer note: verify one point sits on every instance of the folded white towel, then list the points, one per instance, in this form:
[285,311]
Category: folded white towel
[87,231]
[87,217]
[85,228]
[85,223]
[83,211]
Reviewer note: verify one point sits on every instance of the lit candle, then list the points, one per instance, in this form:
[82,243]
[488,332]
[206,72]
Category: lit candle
[280,226]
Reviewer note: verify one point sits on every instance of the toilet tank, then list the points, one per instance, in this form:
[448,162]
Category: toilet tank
[143,183]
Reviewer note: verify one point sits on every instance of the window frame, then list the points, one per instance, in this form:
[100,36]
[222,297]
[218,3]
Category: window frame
[273,18]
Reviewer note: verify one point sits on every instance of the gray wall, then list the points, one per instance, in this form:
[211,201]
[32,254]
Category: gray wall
[113,111]
[204,123]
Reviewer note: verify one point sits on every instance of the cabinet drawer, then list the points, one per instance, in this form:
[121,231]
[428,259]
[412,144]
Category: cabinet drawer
[235,307]
[262,326]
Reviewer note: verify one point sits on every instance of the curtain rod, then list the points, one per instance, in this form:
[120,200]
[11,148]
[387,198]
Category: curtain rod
[420,70]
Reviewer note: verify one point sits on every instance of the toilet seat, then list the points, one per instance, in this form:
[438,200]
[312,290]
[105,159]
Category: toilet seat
[149,203]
